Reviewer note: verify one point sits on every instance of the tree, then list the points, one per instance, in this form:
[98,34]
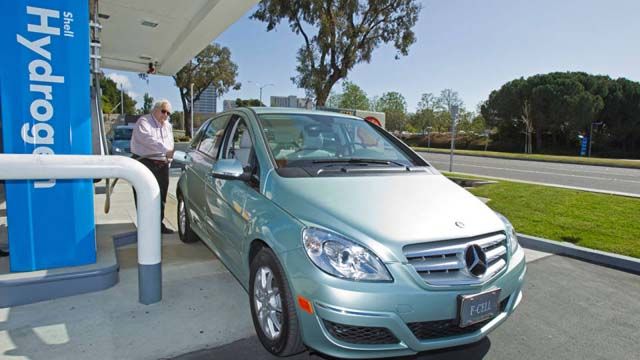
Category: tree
[353,97]
[338,34]
[556,107]
[248,102]
[425,117]
[422,120]
[447,99]
[211,67]
[427,102]
[147,104]
[394,107]
[334,100]
[111,98]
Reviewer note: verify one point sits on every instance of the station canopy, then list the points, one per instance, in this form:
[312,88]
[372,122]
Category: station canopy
[167,33]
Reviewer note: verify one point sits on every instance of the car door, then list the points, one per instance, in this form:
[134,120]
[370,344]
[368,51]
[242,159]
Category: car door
[226,199]
[198,170]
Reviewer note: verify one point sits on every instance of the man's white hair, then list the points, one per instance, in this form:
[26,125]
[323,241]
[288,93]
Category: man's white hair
[160,103]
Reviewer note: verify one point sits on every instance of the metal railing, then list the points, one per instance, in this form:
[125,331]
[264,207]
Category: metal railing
[44,167]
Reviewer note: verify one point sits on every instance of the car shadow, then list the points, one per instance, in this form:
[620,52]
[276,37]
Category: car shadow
[250,348]
[475,351]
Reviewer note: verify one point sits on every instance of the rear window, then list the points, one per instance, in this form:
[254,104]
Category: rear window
[122,134]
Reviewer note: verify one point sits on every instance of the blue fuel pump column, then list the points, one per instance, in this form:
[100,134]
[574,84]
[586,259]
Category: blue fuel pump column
[45,109]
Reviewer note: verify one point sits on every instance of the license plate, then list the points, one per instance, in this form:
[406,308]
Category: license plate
[478,307]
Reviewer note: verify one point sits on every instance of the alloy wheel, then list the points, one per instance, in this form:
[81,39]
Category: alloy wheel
[183,218]
[268,302]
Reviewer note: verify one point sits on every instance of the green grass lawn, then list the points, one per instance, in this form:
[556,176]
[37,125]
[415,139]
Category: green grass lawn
[541,157]
[598,221]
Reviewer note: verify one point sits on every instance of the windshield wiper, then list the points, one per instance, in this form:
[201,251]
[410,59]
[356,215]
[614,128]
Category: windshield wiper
[358,161]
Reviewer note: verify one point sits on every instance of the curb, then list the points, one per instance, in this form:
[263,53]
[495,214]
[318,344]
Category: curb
[615,261]
[536,160]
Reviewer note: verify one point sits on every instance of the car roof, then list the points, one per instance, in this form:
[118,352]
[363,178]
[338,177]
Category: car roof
[127,126]
[285,110]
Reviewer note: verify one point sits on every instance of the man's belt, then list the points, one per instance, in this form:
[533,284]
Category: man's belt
[155,161]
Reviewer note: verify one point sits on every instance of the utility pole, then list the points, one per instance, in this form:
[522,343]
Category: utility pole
[453,110]
[191,107]
[429,128]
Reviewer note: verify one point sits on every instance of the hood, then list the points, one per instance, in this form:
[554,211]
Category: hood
[385,213]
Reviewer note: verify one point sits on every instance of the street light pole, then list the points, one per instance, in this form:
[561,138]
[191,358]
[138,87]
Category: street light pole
[453,110]
[261,87]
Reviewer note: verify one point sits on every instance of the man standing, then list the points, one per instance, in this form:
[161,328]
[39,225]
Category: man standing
[152,145]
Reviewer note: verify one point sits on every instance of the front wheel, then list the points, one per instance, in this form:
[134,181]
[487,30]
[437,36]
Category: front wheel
[272,306]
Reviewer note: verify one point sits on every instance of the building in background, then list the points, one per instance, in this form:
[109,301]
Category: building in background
[291,101]
[228,105]
[207,103]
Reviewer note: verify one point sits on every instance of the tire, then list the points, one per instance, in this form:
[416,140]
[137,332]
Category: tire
[288,341]
[184,224]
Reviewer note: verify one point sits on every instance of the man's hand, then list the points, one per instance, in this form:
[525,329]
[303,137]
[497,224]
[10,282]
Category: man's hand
[170,155]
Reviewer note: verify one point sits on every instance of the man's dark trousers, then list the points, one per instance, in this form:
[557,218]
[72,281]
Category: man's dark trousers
[160,170]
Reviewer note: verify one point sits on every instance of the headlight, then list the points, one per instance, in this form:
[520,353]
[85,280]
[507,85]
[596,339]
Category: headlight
[117,149]
[343,258]
[512,236]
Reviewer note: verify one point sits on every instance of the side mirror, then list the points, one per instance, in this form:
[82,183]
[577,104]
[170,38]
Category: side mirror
[181,157]
[229,169]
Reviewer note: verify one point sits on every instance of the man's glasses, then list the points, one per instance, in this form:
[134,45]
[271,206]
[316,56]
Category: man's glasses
[166,112]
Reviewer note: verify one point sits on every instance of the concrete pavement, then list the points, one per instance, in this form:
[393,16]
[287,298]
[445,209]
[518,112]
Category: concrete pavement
[582,176]
[570,310]
[200,301]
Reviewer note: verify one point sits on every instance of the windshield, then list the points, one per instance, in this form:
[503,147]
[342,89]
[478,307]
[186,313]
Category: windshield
[122,134]
[303,140]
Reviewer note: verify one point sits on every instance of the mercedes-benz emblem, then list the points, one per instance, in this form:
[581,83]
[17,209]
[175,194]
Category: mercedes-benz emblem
[476,260]
[460,224]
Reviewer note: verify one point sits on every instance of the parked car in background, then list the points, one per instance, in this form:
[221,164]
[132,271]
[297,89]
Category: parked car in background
[119,140]
[346,240]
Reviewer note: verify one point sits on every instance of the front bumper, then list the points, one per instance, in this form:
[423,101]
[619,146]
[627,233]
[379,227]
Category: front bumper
[395,306]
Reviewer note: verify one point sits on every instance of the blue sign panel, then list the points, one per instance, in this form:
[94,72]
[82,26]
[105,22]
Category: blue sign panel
[44,90]
[583,146]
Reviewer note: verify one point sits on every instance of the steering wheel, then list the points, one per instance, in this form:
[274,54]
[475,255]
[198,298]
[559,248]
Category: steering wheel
[281,146]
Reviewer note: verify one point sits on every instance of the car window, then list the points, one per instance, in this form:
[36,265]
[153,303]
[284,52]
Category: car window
[212,136]
[240,146]
[299,139]
[198,136]
[122,133]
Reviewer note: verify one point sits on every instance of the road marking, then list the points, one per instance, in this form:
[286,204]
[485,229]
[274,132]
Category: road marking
[540,172]
[559,166]
[619,193]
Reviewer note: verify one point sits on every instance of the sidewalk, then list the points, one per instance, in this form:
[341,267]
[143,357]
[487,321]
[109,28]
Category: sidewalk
[201,299]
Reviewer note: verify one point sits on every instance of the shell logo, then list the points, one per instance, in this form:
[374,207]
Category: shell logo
[373,120]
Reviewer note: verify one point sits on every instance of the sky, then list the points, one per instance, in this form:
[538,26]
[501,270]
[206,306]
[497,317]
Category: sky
[470,46]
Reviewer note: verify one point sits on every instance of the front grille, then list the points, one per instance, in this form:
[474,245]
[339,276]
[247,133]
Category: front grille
[443,262]
[429,330]
[360,334]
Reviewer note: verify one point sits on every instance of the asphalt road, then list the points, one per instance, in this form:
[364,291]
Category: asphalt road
[570,310]
[583,176]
